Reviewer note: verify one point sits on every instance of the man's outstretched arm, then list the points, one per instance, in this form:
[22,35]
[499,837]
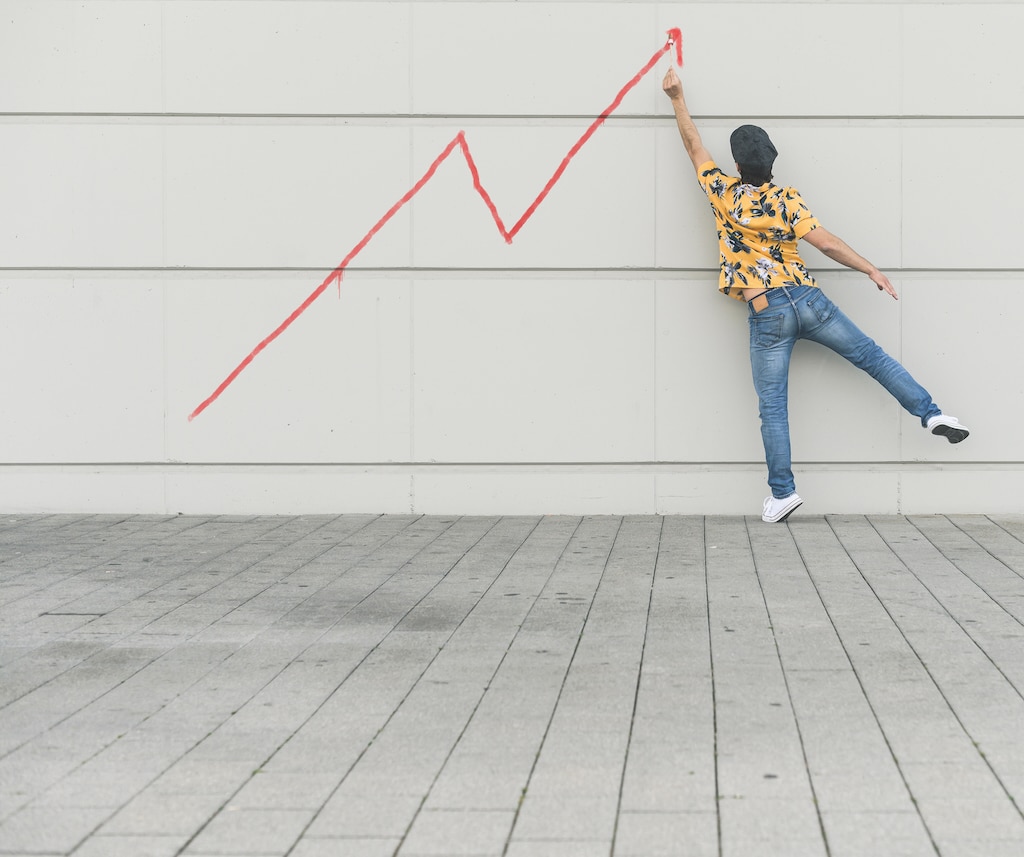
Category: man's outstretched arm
[687,130]
[838,250]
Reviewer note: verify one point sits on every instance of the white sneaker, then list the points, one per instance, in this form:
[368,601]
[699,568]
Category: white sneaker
[776,511]
[948,427]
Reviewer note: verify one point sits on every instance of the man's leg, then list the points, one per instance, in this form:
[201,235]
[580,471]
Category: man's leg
[771,345]
[823,322]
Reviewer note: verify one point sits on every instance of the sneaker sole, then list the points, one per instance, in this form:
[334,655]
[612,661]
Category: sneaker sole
[783,518]
[950,433]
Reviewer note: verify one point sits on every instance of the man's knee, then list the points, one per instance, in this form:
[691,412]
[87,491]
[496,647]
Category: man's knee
[773,406]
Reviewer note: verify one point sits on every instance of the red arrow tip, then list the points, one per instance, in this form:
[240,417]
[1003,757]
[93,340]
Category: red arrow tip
[675,37]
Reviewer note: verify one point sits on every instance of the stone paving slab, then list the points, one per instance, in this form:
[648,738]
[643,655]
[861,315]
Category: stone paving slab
[410,686]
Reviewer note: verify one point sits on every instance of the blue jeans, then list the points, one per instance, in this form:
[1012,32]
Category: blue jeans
[804,312]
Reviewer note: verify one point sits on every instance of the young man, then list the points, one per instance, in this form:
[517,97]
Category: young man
[759,226]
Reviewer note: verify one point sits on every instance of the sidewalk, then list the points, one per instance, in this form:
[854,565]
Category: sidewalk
[361,686]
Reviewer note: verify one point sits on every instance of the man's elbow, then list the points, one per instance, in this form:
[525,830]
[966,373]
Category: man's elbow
[822,240]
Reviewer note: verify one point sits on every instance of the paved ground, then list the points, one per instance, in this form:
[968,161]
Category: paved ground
[533,687]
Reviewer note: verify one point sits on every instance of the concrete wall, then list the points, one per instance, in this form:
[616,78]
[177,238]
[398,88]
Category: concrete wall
[177,177]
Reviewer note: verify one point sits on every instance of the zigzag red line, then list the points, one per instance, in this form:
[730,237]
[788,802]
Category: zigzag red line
[674,38]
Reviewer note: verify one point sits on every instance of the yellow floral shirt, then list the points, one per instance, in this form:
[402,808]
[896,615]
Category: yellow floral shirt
[758,232]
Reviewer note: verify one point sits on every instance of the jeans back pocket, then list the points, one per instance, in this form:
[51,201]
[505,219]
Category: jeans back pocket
[821,306]
[766,331]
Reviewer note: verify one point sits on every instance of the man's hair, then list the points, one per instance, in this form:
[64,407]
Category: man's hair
[756,175]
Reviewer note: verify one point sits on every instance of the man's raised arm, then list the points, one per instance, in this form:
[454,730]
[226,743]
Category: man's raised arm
[687,130]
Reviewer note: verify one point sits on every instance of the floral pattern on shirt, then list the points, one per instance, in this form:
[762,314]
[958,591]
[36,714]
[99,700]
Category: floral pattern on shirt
[758,232]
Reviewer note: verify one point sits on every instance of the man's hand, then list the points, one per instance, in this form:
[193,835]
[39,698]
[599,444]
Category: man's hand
[882,281]
[671,84]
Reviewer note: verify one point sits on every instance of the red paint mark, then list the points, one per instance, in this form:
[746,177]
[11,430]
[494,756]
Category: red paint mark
[459,141]
[675,36]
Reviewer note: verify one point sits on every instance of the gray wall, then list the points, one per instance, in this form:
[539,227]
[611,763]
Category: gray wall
[177,177]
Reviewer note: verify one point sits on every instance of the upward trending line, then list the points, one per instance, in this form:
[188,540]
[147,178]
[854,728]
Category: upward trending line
[459,141]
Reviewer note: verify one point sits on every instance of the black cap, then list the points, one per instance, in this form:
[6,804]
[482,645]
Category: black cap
[752,148]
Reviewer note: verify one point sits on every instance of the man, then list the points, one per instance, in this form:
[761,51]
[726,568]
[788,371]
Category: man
[759,227]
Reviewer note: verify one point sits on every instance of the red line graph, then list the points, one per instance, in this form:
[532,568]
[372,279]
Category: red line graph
[458,142]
